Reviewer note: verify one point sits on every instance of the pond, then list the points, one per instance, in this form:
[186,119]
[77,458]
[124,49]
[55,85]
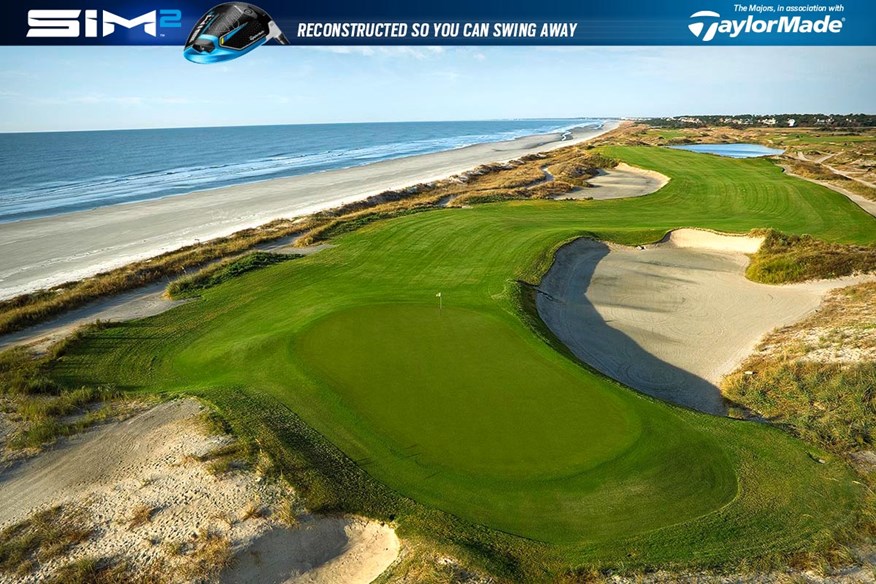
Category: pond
[731,150]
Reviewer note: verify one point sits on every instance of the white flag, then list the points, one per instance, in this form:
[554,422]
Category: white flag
[438,295]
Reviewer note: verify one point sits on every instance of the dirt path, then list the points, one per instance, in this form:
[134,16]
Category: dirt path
[131,305]
[669,319]
[620,182]
[155,460]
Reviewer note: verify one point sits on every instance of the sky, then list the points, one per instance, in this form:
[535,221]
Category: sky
[87,88]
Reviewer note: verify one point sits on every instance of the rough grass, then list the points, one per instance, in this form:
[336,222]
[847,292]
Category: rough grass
[192,285]
[809,170]
[211,554]
[44,536]
[818,377]
[141,515]
[42,411]
[825,403]
[29,309]
[796,258]
[95,571]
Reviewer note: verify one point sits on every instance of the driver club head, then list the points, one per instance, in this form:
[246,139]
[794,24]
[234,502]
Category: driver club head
[229,31]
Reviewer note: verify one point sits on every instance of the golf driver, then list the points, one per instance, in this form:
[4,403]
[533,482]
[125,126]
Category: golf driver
[229,31]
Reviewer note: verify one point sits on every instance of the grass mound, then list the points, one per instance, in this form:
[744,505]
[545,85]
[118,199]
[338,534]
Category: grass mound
[189,286]
[787,258]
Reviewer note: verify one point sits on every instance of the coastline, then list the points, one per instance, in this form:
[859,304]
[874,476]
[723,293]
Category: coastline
[45,252]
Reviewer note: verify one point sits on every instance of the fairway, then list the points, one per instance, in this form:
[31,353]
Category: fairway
[467,412]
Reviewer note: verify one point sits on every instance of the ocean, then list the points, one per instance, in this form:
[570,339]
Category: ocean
[50,173]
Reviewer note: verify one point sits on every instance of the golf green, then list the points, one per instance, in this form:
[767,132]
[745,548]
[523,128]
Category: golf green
[495,421]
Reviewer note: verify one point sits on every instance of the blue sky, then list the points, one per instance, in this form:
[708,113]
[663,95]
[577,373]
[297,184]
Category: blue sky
[77,88]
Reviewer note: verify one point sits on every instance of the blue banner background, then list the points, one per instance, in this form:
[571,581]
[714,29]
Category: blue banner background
[617,22]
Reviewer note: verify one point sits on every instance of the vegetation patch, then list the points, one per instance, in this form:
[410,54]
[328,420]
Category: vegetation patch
[787,258]
[45,536]
[39,410]
[816,377]
[189,286]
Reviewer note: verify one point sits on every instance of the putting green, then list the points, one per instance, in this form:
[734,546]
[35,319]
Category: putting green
[393,369]
[466,411]
[495,421]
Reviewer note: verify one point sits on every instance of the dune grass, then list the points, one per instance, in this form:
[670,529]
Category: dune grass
[189,286]
[464,426]
[784,258]
[46,535]
[817,377]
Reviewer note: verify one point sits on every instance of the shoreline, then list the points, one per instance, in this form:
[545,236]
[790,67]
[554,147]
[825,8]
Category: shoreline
[45,252]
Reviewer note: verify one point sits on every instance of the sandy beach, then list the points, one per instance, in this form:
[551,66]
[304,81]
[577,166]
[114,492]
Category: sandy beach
[45,252]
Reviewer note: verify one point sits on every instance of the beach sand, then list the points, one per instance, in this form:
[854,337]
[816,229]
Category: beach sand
[41,253]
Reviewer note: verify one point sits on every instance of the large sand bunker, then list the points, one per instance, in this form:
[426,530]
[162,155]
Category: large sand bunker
[620,182]
[669,319]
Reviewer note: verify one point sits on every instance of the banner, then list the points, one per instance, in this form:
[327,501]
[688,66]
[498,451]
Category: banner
[460,22]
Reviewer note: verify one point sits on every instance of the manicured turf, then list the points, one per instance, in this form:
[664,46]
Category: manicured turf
[476,413]
[467,411]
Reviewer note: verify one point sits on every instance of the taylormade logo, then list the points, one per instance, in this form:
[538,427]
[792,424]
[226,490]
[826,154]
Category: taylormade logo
[708,23]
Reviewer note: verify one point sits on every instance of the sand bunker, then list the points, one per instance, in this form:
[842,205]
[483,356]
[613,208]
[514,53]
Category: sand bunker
[620,182]
[331,550]
[151,460]
[671,319]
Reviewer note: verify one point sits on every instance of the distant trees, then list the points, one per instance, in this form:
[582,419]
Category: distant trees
[772,120]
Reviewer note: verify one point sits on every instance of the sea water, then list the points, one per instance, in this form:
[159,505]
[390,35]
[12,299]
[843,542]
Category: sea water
[49,173]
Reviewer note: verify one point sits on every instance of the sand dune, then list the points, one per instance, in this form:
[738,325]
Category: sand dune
[151,459]
[671,319]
